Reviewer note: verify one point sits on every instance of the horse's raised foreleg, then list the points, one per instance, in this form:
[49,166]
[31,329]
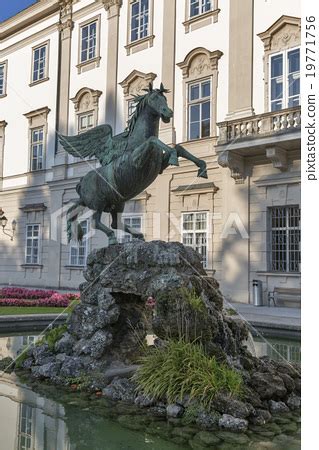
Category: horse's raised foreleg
[182,152]
[140,154]
[117,224]
[100,226]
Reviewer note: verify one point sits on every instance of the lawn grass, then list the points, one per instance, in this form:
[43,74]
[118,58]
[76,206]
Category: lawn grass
[17,310]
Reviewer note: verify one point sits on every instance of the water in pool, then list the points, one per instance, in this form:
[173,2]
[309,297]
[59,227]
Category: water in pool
[48,418]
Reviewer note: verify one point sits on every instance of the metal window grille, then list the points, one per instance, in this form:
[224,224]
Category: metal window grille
[88,42]
[2,79]
[37,148]
[199,7]
[289,352]
[199,109]
[195,234]
[32,253]
[79,250]
[285,239]
[39,63]
[139,19]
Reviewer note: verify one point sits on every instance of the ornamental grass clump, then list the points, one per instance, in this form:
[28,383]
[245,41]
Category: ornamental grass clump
[182,368]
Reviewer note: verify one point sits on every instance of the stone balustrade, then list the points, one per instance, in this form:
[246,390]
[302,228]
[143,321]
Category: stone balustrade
[259,125]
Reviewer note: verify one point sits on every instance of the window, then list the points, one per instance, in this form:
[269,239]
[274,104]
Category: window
[88,41]
[32,254]
[79,251]
[285,79]
[139,19]
[199,7]
[131,106]
[199,109]
[194,232]
[85,121]
[39,63]
[25,427]
[134,222]
[37,149]
[285,239]
[3,81]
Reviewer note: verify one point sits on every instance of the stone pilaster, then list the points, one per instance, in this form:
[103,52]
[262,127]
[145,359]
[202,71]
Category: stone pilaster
[65,29]
[240,100]
[167,131]
[113,9]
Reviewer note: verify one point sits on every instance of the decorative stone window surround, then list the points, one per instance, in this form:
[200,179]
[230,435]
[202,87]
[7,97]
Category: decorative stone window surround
[134,84]
[93,62]
[38,119]
[146,42]
[85,101]
[47,59]
[200,64]
[284,34]
[5,64]
[201,20]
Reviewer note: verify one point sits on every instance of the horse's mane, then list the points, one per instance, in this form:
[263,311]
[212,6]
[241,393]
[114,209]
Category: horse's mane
[141,101]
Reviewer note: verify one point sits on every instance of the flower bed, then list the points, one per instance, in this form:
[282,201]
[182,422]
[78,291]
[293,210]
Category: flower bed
[30,297]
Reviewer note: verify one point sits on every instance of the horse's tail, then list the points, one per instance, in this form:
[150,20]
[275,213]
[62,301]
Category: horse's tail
[73,228]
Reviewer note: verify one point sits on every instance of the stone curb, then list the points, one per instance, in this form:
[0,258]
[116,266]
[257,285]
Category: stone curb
[30,322]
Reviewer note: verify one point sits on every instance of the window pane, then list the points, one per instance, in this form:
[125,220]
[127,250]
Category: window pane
[194,113]
[294,61]
[276,66]
[194,130]
[206,89]
[194,92]
[205,128]
[194,8]
[205,110]
[294,84]
[276,88]
[276,106]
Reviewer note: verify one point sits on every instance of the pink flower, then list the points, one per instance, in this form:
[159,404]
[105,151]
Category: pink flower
[150,303]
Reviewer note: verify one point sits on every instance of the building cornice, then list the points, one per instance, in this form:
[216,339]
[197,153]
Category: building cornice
[29,16]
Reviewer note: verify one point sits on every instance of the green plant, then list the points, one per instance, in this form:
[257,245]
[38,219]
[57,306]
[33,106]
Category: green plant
[182,368]
[231,312]
[23,355]
[82,381]
[52,336]
[193,300]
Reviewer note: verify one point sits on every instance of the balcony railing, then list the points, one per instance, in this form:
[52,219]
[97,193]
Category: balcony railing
[260,125]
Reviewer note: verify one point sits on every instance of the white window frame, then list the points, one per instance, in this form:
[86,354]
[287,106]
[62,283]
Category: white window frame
[139,28]
[285,97]
[88,57]
[76,246]
[26,418]
[4,64]
[44,76]
[286,250]
[33,238]
[37,143]
[194,232]
[126,237]
[201,8]
[200,101]
[86,115]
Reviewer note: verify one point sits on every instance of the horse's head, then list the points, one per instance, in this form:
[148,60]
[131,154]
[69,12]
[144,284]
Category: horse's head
[158,103]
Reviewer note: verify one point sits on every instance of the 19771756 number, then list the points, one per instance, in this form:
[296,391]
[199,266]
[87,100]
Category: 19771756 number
[310,46]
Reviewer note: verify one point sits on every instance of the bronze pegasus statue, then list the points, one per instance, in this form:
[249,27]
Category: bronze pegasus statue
[130,162]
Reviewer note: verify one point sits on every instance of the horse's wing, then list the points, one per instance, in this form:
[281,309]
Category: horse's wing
[96,142]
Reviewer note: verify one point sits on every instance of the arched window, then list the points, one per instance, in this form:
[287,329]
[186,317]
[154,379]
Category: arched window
[86,105]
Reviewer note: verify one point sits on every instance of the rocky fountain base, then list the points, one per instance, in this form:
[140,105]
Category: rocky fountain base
[104,333]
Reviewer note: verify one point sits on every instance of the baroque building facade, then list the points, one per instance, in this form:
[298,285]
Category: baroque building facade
[233,71]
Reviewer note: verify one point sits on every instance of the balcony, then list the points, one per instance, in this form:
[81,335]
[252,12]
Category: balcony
[273,136]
